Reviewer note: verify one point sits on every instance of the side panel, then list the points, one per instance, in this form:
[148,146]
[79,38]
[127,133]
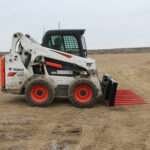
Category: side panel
[16,73]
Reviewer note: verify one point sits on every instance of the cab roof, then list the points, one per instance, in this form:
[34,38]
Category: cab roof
[66,32]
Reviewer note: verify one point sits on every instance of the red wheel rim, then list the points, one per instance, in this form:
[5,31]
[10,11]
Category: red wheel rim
[83,93]
[39,93]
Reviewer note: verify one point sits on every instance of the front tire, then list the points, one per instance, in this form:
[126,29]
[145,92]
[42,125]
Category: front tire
[39,92]
[82,93]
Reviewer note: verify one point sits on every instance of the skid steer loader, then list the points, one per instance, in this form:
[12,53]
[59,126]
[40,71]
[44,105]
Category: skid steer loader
[58,68]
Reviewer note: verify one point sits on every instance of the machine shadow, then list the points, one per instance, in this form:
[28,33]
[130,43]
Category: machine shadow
[20,100]
[17,100]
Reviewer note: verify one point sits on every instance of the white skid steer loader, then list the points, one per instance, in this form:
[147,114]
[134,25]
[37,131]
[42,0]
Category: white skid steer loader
[43,74]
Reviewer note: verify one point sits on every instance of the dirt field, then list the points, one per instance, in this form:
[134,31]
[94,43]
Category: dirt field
[63,127]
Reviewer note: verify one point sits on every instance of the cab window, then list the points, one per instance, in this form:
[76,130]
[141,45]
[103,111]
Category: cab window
[71,43]
[56,42]
[66,43]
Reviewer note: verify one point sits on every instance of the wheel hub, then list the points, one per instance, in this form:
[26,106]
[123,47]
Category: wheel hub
[83,93]
[39,93]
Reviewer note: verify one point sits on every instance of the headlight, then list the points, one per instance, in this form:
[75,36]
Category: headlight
[93,72]
[83,73]
[89,64]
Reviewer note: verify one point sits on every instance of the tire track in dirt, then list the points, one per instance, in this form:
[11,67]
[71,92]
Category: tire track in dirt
[55,130]
[15,130]
[92,129]
[66,133]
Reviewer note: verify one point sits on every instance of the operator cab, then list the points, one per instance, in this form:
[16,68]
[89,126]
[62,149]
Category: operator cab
[69,41]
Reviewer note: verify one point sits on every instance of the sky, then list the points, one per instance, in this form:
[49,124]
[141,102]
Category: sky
[108,23]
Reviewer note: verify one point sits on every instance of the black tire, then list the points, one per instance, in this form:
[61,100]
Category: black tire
[90,101]
[39,92]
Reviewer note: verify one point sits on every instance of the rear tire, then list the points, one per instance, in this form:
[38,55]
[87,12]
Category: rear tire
[82,93]
[39,92]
